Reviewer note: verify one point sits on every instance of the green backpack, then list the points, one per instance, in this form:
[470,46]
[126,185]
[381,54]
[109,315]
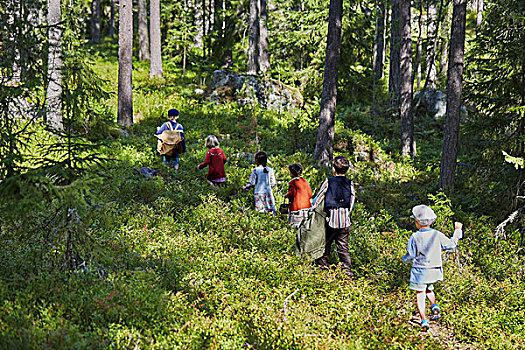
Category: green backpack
[311,234]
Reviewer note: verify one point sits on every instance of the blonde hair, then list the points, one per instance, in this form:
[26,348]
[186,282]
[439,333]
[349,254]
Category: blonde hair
[211,141]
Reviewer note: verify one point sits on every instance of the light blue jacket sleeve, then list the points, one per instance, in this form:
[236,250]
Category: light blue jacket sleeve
[411,250]
[451,243]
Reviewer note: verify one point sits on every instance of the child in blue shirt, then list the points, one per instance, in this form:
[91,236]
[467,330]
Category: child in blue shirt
[424,251]
[171,124]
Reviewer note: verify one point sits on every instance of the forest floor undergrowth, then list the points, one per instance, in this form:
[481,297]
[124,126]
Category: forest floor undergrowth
[169,262]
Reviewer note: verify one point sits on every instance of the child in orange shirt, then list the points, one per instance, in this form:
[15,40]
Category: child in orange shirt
[299,195]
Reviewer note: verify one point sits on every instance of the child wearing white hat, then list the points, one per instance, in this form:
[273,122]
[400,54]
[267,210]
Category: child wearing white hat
[424,251]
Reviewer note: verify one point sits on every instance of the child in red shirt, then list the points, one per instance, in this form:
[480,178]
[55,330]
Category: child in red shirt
[299,194]
[215,158]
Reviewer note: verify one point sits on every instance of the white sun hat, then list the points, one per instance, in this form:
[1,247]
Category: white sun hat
[423,214]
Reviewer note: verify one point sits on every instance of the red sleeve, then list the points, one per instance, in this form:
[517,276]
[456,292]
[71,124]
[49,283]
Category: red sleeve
[207,161]
[292,191]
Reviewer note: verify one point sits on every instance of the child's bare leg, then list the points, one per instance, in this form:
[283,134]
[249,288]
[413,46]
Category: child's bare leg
[421,304]
[431,297]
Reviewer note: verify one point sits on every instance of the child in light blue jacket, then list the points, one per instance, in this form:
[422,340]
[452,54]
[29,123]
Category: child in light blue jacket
[424,251]
[262,179]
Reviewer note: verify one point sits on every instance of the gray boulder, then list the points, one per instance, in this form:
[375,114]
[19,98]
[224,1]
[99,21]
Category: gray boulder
[251,90]
[434,103]
[147,172]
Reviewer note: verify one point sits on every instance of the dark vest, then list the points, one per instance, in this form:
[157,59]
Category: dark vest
[339,193]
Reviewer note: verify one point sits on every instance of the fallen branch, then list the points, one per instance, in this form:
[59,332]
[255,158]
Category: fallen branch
[137,344]
[284,309]
[500,229]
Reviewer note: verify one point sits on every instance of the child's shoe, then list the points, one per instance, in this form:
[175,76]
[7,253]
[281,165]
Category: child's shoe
[435,312]
[425,325]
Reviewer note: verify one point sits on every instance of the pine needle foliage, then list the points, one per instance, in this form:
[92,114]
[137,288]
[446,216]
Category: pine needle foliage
[21,73]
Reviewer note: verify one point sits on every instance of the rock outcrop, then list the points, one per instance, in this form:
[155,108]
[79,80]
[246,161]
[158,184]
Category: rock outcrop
[227,86]
[434,103]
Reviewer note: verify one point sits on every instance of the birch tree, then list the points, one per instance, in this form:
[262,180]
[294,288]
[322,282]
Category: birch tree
[54,69]
[143,31]
[155,68]
[198,37]
[430,59]
[479,14]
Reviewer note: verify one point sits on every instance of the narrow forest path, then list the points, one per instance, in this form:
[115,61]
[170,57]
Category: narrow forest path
[441,332]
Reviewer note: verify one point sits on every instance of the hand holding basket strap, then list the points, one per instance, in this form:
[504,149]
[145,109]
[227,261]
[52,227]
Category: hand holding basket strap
[283,208]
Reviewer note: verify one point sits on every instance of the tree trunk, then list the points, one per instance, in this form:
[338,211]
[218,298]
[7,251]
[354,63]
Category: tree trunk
[95,22]
[184,53]
[112,20]
[155,68]
[253,52]
[419,48]
[394,78]
[199,34]
[479,16]
[125,68]
[54,69]
[143,31]
[408,144]
[454,89]
[264,57]
[379,41]
[430,75]
[218,43]
[13,13]
[204,31]
[209,33]
[520,151]
[443,62]
[325,135]
[302,51]
[217,16]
